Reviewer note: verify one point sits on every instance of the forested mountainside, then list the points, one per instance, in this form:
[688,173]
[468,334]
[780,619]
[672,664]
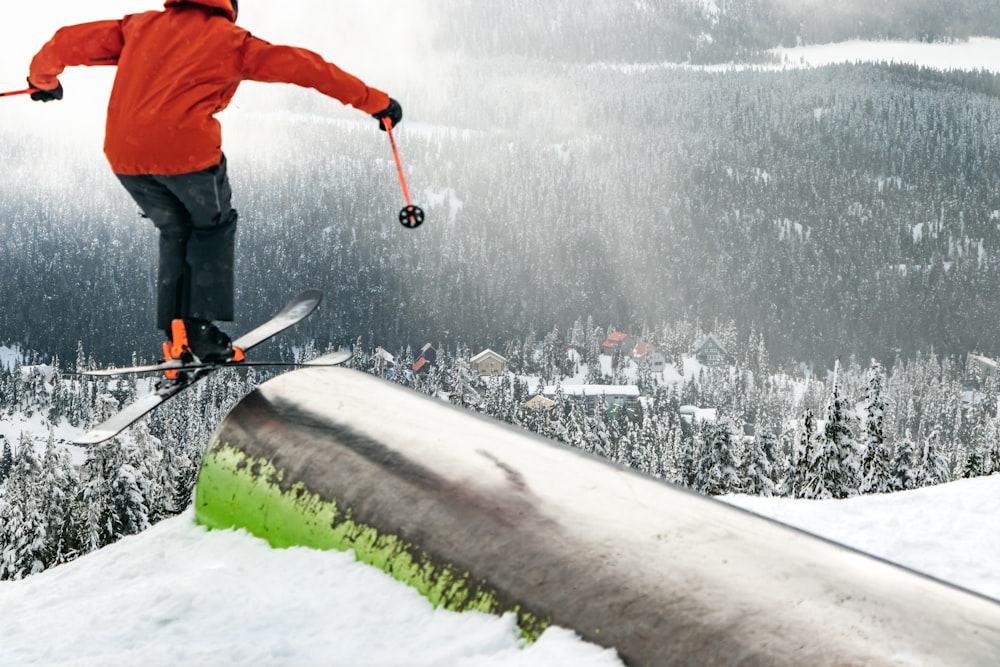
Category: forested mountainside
[847,210]
[696,31]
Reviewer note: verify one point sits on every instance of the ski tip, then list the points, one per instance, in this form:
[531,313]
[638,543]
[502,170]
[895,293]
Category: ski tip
[298,308]
[310,294]
[312,297]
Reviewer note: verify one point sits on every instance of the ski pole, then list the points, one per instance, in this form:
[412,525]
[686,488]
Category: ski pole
[410,216]
[26,91]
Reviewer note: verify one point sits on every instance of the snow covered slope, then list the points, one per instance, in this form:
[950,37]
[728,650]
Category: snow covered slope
[179,594]
[951,531]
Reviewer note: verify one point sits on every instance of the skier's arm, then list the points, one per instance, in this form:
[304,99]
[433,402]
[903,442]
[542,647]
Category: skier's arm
[288,64]
[97,43]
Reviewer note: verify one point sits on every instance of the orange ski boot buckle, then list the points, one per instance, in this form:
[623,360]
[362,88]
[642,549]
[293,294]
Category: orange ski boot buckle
[176,347]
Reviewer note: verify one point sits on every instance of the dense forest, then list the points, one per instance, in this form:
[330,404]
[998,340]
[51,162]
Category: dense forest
[696,31]
[861,430]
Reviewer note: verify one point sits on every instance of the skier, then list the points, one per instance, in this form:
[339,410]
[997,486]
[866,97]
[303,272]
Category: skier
[177,68]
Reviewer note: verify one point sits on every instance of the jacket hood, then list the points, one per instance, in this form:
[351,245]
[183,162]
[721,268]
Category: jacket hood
[227,7]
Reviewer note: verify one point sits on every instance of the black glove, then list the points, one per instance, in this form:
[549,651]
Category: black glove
[393,112]
[46,95]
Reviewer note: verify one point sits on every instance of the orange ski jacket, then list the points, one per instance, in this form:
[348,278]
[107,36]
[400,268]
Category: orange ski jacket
[177,68]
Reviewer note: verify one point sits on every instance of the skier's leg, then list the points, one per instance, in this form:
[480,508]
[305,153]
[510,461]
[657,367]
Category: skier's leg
[211,247]
[171,217]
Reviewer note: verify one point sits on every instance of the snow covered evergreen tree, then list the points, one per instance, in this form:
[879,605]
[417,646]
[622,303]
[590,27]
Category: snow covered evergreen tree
[932,465]
[23,525]
[905,465]
[717,470]
[99,471]
[59,487]
[839,463]
[6,461]
[876,473]
[758,473]
[805,451]
[129,510]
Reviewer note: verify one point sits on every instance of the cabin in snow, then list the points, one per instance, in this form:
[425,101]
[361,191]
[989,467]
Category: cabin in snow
[645,355]
[711,353]
[539,403]
[616,340]
[593,396]
[426,359]
[489,362]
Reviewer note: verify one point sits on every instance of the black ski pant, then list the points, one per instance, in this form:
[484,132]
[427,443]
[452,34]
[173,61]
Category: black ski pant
[197,225]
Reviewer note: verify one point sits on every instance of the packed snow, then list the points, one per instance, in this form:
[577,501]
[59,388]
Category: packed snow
[950,531]
[180,594]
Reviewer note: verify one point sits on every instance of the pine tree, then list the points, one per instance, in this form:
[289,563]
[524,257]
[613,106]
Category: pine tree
[803,451]
[840,462]
[59,488]
[174,477]
[876,474]
[57,401]
[759,472]
[23,536]
[129,505]
[671,461]
[649,445]
[785,462]
[6,462]
[932,465]
[973,464]
[717,470]
[552,357]
[97,525]
[905,464]
[823,473]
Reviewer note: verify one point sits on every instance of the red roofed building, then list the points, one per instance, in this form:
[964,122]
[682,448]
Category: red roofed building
[615,341]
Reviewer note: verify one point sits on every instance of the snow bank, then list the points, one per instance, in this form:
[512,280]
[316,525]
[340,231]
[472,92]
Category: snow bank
[180,594]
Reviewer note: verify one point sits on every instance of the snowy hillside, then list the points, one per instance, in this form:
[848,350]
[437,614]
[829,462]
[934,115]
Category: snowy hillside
[178,594]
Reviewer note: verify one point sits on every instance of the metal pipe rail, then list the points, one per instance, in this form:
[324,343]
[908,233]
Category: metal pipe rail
[479,515]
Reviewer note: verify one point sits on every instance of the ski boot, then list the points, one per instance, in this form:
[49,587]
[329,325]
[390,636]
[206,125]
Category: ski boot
[194,341]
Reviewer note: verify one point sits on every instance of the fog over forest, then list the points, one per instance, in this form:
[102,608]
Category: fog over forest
[843,211]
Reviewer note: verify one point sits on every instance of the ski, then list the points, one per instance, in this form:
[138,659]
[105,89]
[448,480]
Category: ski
[332,359]
[294,312]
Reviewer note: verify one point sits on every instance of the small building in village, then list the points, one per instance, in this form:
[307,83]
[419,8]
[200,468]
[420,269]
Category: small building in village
[593,396]
[539,403]
[384,363]
[645,355]
[711,353]
[615,341]
[489,362]
[426,359]
[692,414]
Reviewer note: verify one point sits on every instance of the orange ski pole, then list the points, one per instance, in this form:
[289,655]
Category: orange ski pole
[26,91]
[410,216]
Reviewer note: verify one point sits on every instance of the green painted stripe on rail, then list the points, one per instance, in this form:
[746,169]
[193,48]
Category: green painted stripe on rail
[236,491]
